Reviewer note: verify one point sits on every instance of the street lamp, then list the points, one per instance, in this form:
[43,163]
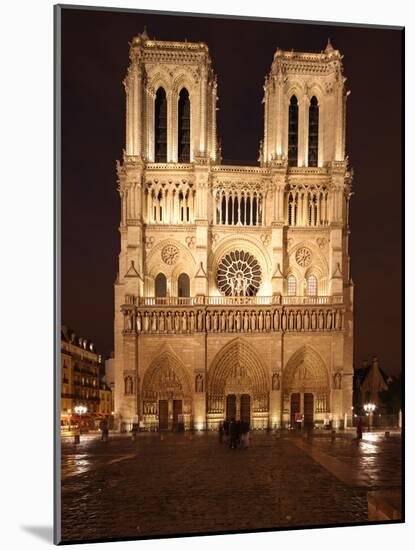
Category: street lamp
[369,409]
[79,410]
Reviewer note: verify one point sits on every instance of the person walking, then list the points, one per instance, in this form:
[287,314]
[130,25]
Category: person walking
[232,434]
[359,429]
[244,435]
[221,431]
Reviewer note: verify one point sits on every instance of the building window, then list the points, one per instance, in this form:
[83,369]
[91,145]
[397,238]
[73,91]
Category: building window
[313,132]
[183,285]
[292,286]
[184,126]
[160,126]
[312,285]
[161,286]
[293,132]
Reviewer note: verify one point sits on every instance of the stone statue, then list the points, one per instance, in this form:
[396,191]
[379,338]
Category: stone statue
[253,321]
[222,321]
[138,322]
[238,321]
[176,322]
[306,320]
[337,382]
[154,322]
[199,383]
[299,320]
[246,322]
[192,321]
[276,381]
[276,320]
[200,321]
[267,321]
[169,322]
[338,320]
[128,385]
[184,322]
[329,318]
[284,321]
[146,321]
[230,319]
[215,321]
[260,321]
[161,322]
[208,321]
[291,321]
[313,320]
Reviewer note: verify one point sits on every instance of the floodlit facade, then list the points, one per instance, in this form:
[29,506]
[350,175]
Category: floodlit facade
[233,297]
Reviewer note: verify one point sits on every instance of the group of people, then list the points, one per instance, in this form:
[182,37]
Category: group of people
[236,432]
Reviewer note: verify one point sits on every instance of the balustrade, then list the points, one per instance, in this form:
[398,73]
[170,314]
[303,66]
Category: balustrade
[235,300]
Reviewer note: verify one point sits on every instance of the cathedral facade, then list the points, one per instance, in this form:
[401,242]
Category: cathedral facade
[233,297]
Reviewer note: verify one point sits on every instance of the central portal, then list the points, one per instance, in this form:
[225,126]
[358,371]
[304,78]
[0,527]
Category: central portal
[231,407]
[238,407]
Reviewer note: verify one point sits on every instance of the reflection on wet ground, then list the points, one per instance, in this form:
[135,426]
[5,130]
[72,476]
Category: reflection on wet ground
[180,483]
[374,462]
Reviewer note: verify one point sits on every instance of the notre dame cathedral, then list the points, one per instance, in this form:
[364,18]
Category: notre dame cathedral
[233,297]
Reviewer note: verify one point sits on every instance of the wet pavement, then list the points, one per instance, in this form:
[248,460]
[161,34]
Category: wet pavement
[181,483]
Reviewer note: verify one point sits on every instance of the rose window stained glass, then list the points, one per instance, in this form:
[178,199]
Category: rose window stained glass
[239,274]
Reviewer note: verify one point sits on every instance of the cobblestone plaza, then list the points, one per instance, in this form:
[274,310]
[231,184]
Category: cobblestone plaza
[183,483]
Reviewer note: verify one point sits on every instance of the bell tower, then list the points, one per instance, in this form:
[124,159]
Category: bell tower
[170,144]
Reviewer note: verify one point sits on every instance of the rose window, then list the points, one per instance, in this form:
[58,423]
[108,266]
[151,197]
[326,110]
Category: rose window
[239,274]
[169,254]
[303,256]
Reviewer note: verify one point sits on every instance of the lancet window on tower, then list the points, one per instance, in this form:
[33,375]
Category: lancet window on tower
[313,116]
[307,207]
[293,132]
[170,203]
[184,126]
[160,126]
[238,208]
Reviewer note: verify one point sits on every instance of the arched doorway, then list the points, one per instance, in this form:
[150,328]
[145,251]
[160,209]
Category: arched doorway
[306,389]
[238,387]
[167,396]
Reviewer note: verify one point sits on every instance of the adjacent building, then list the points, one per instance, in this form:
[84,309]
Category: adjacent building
[233,297]
[369,380]
[80,377]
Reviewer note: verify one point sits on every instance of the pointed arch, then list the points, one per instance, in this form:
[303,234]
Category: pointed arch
[237,361]
[293,131]
[313,131]
[306,370]
[184,114]
[166,376]
[160,125]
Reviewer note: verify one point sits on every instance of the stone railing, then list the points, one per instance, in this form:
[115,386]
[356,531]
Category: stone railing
[236,300]
[245,319]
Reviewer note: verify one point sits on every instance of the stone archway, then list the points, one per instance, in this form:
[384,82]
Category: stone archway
[306,387]
[166,394]
[236,371]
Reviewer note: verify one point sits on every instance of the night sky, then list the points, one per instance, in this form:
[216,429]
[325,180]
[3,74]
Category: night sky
[94,62]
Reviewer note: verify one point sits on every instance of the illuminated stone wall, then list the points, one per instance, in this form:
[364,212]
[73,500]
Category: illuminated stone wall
[269,307]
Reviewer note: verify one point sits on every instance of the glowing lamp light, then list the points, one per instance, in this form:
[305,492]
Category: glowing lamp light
[80,409]
[369,407]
